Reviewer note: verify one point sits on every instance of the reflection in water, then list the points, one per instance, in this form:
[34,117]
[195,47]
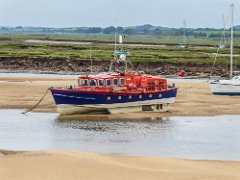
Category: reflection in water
[105,125]
[184,137]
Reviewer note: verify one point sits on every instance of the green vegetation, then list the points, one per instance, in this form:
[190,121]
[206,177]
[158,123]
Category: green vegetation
[199,51]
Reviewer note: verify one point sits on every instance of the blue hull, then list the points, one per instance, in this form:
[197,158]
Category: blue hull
[227,93]
[82,98]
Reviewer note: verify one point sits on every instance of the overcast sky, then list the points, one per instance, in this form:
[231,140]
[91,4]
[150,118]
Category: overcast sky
[66,13]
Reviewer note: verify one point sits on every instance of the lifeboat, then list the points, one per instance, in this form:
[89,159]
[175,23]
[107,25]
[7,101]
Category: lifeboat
[115,91]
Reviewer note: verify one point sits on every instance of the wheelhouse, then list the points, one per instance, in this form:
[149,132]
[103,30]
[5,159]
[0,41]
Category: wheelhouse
[129,82]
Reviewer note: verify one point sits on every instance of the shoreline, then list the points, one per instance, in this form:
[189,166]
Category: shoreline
[83,66]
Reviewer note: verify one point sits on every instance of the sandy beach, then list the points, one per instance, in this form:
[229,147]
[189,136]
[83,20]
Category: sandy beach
[50,165]
[193,99]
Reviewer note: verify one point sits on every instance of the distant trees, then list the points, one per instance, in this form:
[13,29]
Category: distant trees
[199,34]
[109,30]
[130,31]
[147,29]
[120,30]
[95,30]
[19,27]
[79,30]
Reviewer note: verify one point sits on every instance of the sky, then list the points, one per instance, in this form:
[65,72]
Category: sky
[103,13]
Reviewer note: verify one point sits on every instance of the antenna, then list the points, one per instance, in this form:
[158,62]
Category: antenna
[90,55]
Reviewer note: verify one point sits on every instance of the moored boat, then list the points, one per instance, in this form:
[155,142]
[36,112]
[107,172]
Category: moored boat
[116,91]
[227,86]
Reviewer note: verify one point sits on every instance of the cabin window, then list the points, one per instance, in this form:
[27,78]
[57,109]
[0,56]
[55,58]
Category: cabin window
[108,82]
[92,83]
[115,82]
[100,83]
[122,82]
[83,82]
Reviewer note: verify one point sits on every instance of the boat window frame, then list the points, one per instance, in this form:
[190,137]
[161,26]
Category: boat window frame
[99,83]
[107,83]
[115,85]
[81,82]
[121,82]
[94,80]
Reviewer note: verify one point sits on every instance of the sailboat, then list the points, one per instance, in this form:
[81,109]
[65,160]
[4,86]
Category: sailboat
[229,86]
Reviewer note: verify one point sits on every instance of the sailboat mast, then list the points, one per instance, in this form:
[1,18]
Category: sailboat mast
[224,31]
[231,56]
[184,32]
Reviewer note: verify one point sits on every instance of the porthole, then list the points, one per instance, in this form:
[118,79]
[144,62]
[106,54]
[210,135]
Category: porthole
[129,97]
[150,95]
[119,97]
[160,95]
[109,98]
[140,96]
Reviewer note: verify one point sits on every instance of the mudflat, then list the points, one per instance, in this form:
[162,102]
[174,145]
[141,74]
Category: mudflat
[193,99]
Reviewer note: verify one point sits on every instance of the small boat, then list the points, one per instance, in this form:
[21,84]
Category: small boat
[116,91]
[227,86]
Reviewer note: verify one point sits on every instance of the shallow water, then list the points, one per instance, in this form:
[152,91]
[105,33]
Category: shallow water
[212,138]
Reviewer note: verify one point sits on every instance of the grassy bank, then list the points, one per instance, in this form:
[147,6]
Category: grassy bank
[15,46]
[144,39]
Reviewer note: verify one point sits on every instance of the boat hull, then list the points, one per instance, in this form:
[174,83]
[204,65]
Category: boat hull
[225,89]
[80,102]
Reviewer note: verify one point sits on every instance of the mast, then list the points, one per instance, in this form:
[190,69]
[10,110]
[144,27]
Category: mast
[224,29]
[116,25]
[184,32]
[90,56]
[231,56]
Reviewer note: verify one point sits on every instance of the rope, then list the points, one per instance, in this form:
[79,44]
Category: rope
[29,110]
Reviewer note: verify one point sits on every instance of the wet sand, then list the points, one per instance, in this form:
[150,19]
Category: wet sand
[72,165]
[194,98]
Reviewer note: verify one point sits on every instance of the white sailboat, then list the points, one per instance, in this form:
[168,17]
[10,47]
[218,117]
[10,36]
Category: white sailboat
[232,85]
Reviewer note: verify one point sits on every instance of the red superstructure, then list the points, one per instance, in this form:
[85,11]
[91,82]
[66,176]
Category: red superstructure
[128,82]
